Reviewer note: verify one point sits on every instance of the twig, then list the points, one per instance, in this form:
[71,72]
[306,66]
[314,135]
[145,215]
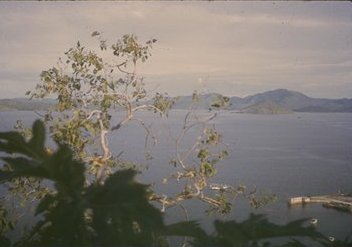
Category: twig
[119,125]
[93,113]
[137,108]
[104,146]
[147,130]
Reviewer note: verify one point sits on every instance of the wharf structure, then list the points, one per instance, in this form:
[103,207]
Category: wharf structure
[339,202]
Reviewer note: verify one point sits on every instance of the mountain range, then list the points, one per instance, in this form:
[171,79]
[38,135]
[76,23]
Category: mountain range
[271,102]
[282,99]
[295,101]
[24,104]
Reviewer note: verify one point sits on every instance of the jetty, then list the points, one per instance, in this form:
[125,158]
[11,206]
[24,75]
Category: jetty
[339,202]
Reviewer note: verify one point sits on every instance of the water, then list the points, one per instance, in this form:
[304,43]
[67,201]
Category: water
[289,155]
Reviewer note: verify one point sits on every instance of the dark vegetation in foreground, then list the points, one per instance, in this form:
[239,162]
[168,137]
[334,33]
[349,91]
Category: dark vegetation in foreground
[118,212]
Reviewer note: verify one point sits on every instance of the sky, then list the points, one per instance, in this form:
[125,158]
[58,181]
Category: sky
[228,47]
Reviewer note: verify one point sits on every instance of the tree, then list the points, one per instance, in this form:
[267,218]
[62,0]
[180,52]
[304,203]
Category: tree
[91,84]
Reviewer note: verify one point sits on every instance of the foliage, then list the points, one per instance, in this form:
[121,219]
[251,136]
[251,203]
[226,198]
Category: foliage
[253,230]
[220,102]
[90,85]
[5,226]
[117,212]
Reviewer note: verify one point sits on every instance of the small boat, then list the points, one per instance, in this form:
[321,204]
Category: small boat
[313,221]
[331,239]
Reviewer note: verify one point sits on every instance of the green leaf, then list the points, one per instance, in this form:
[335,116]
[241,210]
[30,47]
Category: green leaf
[14,142]
[67,173]
[20,163]
[186,228]
[11,142]
[45,204]
[124,203]
[38,139]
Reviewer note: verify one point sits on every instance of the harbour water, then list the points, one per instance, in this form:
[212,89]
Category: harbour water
[289,155]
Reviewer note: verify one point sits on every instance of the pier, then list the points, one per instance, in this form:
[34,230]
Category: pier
[339,202]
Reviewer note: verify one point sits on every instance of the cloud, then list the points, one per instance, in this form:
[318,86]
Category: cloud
[235,44]
[267,19]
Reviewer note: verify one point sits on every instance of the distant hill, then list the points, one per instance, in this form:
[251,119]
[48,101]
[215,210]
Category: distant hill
[266,107]
[23,104]
[205,101]
[294,101]
[281,100]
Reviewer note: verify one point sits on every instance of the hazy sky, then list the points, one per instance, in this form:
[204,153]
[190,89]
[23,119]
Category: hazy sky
[233,48]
